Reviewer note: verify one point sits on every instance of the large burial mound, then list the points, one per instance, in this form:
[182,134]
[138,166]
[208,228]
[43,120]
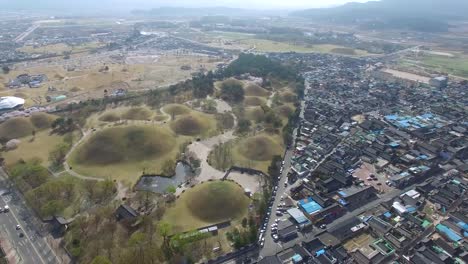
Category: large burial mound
[176,109]
[254,101]
[216,201]
[137,113]
[125,144]
[259,148]
[255,90]
[190,125]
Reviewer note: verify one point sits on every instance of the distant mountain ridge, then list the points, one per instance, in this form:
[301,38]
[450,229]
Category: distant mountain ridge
[420,15]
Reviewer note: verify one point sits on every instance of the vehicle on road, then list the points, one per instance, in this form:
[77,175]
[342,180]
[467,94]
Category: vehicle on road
[18,227]
[6,209]
[323,226]
[21,235]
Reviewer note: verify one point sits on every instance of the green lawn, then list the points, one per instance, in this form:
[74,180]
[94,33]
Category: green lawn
[456,66]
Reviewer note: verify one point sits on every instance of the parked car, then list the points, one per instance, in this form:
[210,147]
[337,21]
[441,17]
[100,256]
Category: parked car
[6,208]
[18,227]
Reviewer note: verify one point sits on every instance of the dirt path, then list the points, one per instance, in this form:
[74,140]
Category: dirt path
[203,148]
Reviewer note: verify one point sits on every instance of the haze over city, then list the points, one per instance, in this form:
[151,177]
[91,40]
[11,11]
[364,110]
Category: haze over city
[233,132]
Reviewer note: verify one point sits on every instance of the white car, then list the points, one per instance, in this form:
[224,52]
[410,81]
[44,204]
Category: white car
[6,208]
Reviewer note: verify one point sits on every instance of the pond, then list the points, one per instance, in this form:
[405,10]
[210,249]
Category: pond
[160,184]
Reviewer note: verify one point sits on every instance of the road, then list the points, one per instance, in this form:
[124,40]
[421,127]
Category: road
[32,248]
[23,35]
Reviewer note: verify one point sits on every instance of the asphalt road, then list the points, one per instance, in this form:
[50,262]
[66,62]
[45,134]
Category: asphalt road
[32,248]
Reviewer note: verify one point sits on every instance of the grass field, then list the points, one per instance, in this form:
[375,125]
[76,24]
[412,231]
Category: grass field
[207,203]
[123,153]
[89,82]
[40,147]
[456,66]
[59,48]
[247,41]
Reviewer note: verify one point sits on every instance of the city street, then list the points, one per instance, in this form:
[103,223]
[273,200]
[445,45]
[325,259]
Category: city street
[32,246]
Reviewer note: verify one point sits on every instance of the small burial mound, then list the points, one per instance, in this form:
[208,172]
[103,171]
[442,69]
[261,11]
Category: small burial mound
[255,90]
[125,144]
[288,96]
[216,201]
[254,101]
[160,118]
[42,120]
[109,117]
[189,125]
[255,114]
[259,148]
[137,113]
[284,110]
[16,128]
[176,109]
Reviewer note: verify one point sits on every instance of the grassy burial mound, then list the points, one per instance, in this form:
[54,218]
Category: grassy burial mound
[259,148]
[208,203]
[42,120]
[176,109]
[255,90]
[194,124]
[125,145]
[16,128]
[160,118]
[254,101]
[255,114]
[288,97]
[137,113]
[284,110]
[109,117]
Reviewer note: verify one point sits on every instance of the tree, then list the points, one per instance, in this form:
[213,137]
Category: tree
[232,91]
[243,126]
[57,155]
[171,189]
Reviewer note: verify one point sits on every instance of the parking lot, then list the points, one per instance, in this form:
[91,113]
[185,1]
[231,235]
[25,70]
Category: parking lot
[368,175]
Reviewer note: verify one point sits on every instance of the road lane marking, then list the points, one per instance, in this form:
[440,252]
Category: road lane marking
[25,234]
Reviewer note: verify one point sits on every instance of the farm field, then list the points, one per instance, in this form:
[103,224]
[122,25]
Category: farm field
[248,41]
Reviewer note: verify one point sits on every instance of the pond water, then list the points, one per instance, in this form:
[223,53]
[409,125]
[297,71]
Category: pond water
[160,184]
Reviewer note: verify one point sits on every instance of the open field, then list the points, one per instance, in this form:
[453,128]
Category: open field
[40,147]
[453,65]
[208,203]
[254,101]
[230,40]
[59,48]
[123,153]
[88,80]
[255,90]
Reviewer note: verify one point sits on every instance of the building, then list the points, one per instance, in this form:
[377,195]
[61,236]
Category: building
[299,217]
[10,103]
[126,214]
[354,196]
[439,82]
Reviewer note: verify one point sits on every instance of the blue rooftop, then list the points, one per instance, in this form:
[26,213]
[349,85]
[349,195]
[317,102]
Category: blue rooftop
[309,205]
[449,232]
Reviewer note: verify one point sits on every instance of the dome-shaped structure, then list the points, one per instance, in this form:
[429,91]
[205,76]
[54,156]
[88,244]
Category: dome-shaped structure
[10,103]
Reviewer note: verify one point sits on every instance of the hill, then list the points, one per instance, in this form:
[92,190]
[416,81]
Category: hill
[417,15]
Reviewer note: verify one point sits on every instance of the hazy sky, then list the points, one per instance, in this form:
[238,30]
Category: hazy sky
[145,4]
